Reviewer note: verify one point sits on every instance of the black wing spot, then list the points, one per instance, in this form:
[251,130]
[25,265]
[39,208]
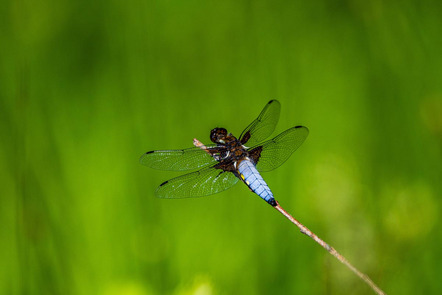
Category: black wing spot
[149,152]
[164,183]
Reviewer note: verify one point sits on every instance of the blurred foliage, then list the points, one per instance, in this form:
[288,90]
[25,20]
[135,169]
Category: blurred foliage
[87,87]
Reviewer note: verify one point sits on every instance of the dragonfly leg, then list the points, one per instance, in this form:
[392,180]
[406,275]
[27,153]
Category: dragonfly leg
[199,144]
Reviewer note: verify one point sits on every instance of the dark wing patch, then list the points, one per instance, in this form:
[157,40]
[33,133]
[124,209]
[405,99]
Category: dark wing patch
[273,153]
[201,183]
[255,154]
[263,126]
[177,160]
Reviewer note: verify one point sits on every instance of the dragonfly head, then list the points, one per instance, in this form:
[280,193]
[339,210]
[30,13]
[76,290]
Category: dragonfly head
[218,135]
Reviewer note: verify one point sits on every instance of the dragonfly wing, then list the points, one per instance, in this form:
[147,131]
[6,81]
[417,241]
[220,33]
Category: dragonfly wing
[177,160]
[263,126]
[201,183]
[272,153]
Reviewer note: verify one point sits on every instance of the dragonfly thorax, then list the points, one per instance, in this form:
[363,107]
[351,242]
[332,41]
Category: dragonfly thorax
[228,146]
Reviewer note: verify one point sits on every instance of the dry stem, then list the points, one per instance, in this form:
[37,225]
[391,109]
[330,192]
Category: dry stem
[330,249]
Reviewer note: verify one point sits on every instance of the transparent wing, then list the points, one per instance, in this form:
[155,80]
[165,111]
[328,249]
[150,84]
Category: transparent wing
[272,153]
[263,126]
[201,183]
[177,160]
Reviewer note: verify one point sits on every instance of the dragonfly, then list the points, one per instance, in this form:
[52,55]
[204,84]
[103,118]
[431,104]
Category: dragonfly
[228,159]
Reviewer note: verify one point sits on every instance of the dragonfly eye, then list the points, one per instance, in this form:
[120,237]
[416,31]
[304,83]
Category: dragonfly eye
[218,135]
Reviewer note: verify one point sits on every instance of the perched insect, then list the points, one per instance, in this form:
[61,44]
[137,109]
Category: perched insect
[229,159]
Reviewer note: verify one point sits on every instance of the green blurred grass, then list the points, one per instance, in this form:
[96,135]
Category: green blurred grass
[86,88]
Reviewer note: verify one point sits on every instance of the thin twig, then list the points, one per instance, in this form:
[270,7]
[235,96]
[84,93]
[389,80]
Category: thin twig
[330,249]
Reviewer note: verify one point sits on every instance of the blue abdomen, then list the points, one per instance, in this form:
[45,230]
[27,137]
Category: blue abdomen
[255,182]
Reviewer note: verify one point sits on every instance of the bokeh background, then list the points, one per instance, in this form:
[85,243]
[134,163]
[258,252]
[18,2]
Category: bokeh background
[87,87]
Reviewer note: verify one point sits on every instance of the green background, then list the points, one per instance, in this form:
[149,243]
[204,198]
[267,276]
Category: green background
[87,87]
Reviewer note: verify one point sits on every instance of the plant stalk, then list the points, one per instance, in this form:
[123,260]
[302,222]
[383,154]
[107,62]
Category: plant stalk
[330,249]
